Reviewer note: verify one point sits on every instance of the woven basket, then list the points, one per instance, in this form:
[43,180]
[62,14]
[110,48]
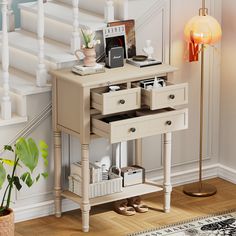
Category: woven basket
[7,224]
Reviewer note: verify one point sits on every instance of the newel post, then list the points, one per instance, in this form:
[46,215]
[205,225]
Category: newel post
[41,73]
[6,100]
[75,38]
[109,11]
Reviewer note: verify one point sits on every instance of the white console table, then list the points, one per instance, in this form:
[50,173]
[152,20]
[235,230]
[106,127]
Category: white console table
[80,104]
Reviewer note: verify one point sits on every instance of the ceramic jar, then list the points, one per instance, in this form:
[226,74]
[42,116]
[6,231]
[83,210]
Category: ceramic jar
[89,56]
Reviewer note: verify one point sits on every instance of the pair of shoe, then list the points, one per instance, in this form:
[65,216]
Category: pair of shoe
[130,206]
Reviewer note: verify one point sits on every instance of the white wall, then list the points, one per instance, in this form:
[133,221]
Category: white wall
[167,32]
[186,144]
[228,86]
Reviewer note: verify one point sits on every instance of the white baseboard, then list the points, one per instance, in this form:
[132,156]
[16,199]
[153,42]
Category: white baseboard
[41,209]
[227,173]
[178,178]
[189,176]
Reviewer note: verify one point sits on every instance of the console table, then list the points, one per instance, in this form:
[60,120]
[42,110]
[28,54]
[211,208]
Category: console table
[81,106]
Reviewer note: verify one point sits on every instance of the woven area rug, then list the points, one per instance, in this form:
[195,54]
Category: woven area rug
[218,224]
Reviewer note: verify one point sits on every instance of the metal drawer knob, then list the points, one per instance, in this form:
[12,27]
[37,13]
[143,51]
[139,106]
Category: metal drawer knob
[169,122]
[122,101]
[132,130]
[172,96]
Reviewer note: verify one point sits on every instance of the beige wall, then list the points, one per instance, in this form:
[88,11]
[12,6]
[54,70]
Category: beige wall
[228,86]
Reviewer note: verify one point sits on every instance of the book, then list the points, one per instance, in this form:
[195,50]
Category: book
[143,63]
[130,35]
[83,70]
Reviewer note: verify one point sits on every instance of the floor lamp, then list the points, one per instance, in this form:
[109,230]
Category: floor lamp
[201,30]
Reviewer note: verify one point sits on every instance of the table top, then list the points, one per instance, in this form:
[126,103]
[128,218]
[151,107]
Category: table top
[116,75]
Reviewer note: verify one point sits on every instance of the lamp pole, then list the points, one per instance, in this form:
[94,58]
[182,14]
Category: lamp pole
[201,189]
[201,114]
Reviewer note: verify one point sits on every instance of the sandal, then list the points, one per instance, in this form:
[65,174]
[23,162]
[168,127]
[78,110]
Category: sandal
[136,203]
[122,208]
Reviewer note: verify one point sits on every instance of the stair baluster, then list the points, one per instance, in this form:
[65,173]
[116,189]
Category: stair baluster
[109,11]
[124,10]
[41,74]
[10,17]
[6,100]
[75,38]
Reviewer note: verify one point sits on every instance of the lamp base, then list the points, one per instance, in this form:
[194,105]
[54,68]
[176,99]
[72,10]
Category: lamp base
[199,189]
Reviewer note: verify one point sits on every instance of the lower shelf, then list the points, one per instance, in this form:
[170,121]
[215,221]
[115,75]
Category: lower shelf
[127,192]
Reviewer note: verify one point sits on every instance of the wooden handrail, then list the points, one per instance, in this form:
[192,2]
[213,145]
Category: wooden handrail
[6,100]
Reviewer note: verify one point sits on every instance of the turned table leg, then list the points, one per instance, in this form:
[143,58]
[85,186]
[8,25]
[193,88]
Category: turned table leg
[85,207]
[57,172]
[167,171]
[138,152]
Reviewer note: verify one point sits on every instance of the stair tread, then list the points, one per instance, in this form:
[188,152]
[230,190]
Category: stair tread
[15,119]
[87,19]
[24,84]
[54,51]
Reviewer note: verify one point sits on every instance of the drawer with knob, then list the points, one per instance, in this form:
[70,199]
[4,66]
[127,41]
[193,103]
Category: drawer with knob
[169,96]
[117,101]
[139,124]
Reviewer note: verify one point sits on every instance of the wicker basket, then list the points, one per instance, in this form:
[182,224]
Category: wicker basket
[97,189]
[7,224]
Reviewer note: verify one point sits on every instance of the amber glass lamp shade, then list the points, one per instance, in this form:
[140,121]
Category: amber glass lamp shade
[203,30]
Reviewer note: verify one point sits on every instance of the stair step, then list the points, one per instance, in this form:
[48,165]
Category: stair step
[23,83]
[28,42]
[24,52]
[92,5]
[16,119]
[58,20]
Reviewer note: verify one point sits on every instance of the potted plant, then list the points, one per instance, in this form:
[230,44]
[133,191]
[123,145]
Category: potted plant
[88,48]
[26,157]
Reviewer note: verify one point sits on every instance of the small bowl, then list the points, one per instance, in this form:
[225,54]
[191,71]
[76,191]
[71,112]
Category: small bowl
[140,58]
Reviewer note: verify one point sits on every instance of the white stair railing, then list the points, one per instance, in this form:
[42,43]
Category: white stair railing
[31,125]
[41,74]
[6,100]
[10,17]
[75,38]
[109,11]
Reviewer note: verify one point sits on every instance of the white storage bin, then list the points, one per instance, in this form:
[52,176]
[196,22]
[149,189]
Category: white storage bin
[96,189]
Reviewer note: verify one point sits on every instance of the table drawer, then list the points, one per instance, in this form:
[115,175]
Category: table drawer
[168,96]
[118,101]
[139,124]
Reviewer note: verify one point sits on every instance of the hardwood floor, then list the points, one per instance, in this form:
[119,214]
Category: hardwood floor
[104,221]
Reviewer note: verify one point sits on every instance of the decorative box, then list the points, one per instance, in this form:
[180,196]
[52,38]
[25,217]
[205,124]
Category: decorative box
[132,175]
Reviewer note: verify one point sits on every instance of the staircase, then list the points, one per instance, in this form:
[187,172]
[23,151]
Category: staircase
[48,36]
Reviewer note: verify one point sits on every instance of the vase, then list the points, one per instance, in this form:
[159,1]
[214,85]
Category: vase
[7,226]
[89,56]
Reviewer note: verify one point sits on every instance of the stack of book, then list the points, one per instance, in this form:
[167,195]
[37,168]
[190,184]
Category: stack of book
[143,63]
[83,70]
